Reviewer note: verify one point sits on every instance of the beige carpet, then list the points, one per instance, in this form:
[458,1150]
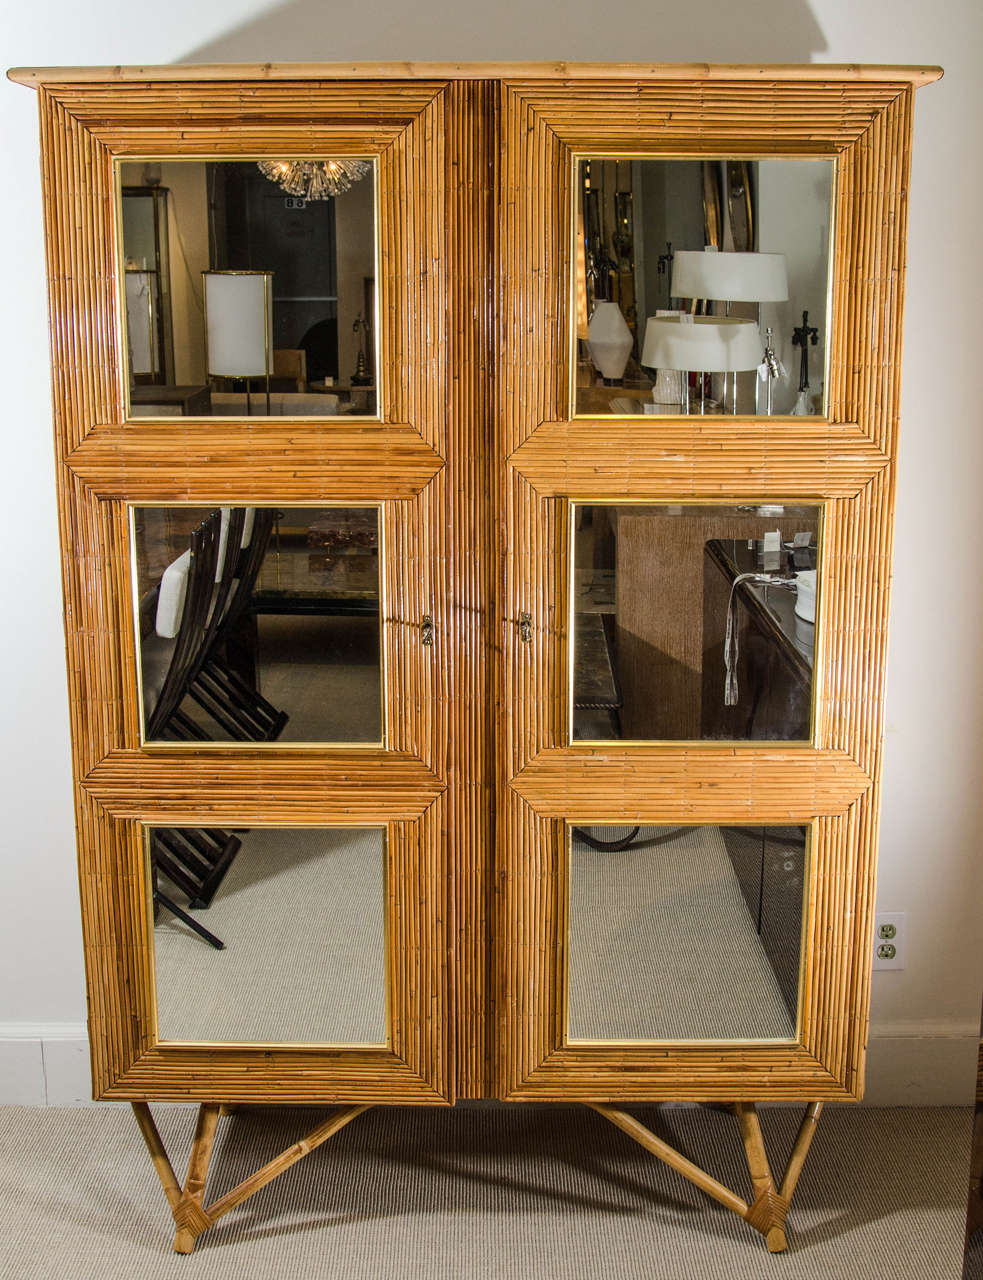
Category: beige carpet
[483,1193]
[324,672]
[662,945]
[301,913]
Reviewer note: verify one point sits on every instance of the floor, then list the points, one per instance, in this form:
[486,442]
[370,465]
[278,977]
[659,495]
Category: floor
[537,1193]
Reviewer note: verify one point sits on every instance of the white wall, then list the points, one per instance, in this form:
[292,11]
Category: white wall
[924,1018]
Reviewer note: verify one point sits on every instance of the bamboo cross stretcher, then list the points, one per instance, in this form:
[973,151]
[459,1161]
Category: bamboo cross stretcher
[766,1213]
[187,1204]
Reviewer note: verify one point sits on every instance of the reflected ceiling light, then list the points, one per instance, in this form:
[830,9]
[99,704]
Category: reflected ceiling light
[315,179]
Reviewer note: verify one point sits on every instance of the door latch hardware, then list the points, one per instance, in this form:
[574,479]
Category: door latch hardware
[525,627]
[426,629]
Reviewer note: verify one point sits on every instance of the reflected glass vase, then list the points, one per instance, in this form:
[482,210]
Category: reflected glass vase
[609,341]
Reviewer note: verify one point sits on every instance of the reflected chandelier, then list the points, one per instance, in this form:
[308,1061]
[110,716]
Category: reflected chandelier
[315,179]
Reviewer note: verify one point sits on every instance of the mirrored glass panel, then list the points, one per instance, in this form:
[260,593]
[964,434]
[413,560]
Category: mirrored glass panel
[685,933]
[701,286]
[258,624]
[693,621]
[248,287]
[269,935]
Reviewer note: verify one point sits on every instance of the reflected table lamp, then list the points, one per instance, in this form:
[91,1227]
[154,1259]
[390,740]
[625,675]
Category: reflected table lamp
[733,277]
[239,326]
[707,344]
[609,341]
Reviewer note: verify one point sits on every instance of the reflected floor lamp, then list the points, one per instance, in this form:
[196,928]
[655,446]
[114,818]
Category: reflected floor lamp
[239,326]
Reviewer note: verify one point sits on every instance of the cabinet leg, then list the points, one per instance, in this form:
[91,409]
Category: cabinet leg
[768,1210]
[191,1216]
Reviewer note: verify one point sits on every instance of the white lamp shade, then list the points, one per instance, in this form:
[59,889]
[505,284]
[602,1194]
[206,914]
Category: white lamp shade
[239,320]
[730,277]
[710,344]
[609,340]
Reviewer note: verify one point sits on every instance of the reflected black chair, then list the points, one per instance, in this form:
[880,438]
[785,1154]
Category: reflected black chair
[217,597]
[161,900]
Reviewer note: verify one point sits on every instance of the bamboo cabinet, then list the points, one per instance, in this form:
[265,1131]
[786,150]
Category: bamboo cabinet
[507,680]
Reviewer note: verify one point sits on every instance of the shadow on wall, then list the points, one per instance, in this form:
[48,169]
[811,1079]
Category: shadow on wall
[576,30]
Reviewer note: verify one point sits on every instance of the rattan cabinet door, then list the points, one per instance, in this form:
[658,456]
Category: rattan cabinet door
[405,463]
[570,1028]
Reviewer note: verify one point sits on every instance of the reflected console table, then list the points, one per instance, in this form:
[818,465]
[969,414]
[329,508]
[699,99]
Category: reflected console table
[417,865]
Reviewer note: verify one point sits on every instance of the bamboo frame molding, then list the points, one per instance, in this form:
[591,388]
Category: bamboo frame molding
[129,1062]
[845,462]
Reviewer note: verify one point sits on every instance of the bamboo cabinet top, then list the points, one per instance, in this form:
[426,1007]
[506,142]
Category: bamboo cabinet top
[820,72]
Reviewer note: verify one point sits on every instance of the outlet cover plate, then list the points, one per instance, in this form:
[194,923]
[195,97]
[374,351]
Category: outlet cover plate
[884,922]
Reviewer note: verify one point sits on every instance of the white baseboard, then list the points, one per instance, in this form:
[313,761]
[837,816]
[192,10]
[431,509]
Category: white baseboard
[922,1065]
[908,1065]
[44,1064]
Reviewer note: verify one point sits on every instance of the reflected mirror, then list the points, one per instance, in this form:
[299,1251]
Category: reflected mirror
[248,287]
[685,933]
[269,935]
[701,286]
[693,621]
[258,624]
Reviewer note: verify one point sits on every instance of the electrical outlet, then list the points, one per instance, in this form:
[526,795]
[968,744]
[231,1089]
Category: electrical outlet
[889,940]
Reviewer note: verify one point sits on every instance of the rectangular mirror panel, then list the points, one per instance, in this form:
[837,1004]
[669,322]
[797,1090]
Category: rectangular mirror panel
[258,624]
[693,622]
[702,286]
[685,933]
[249,287]
[299,913]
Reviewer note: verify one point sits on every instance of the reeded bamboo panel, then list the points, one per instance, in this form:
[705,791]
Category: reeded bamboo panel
[282,789]
[469,480]
[845,463]
[219,461]
[631,458]
[104,463]
[127,1063]
[742,112]
[698,783]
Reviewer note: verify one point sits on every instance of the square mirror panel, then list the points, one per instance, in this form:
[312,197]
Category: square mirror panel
[258,624]
[693,621]
[701,286]
[685,933]
[248,287]
[269,935]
